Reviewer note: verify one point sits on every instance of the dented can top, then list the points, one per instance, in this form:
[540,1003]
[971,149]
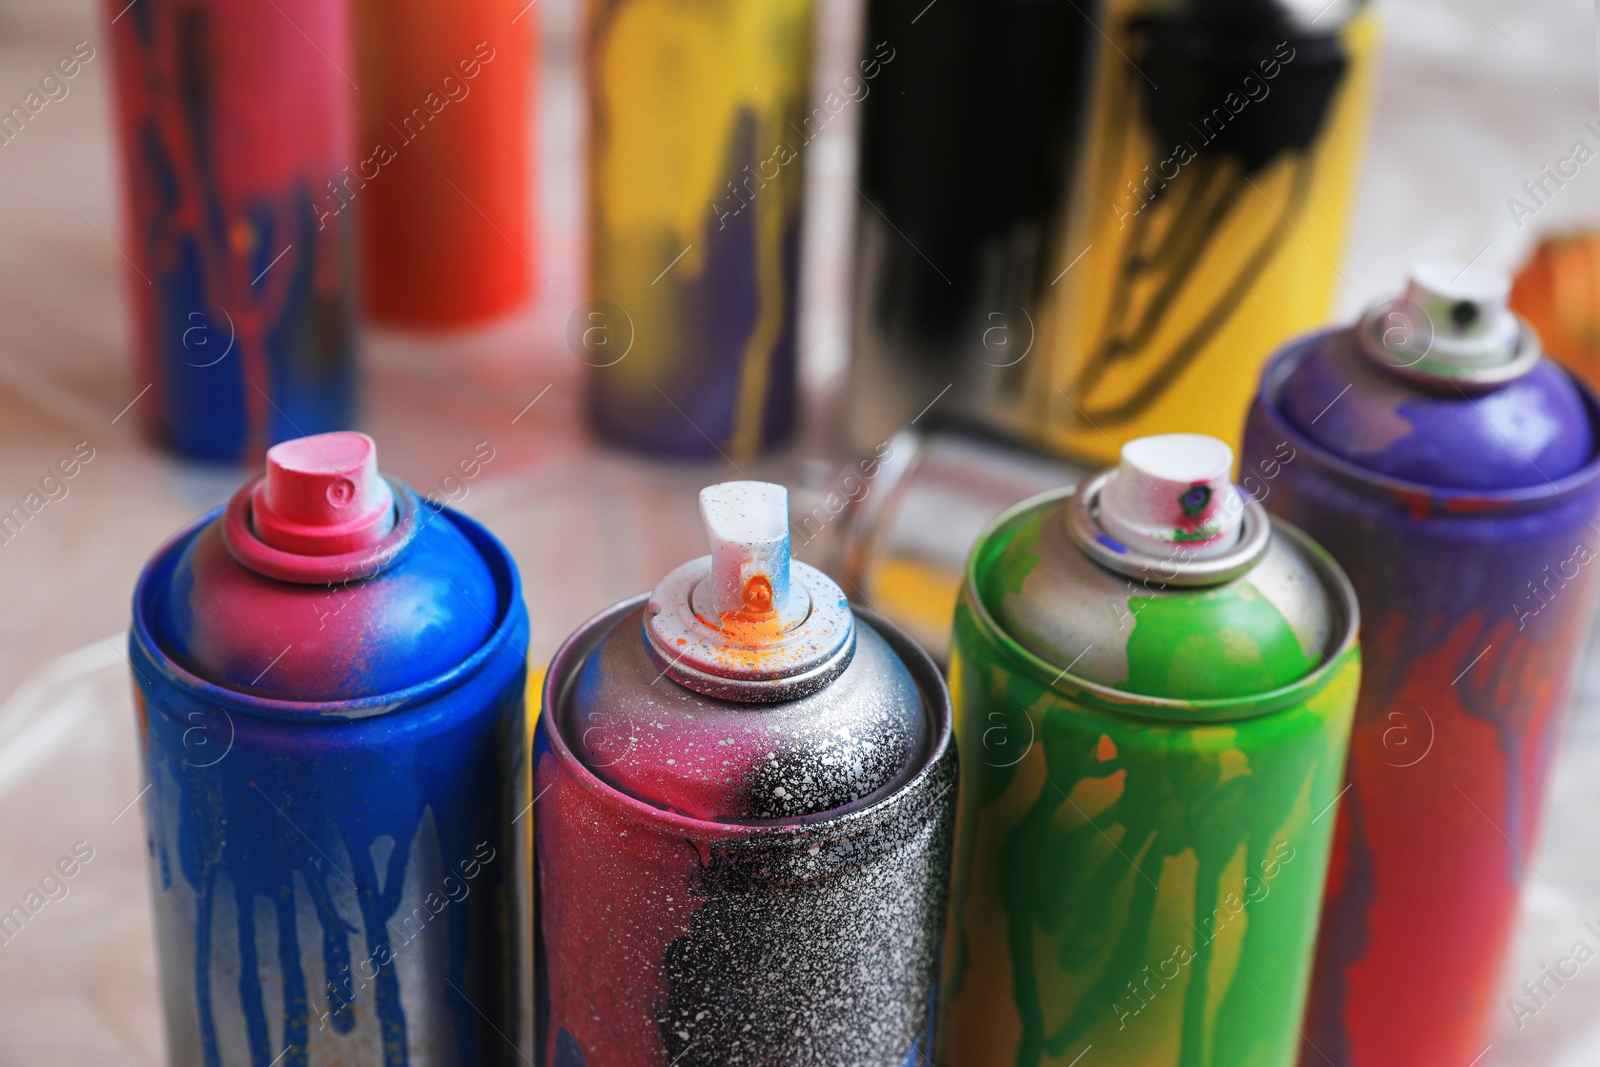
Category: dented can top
[1213,606]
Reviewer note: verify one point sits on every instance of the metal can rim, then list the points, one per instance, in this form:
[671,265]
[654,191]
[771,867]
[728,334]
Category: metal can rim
[1417,498]
[1171,709]
[141,637]
[578,644]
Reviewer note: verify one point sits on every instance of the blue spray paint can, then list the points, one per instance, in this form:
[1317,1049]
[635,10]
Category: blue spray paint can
[330,680]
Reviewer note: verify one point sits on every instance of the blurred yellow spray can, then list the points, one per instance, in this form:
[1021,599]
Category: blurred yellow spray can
[697,145]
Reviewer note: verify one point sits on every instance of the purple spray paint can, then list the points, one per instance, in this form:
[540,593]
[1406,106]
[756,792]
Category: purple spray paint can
[744,801]
[1451,469]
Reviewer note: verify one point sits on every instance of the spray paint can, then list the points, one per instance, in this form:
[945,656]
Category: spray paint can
[697,143]
[745,793]
[232,119]
[443,166]
[1175,196]
[330,689]
[1451,469]
[1153,686]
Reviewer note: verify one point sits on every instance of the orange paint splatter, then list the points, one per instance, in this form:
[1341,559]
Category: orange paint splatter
[757,597]
[1106,749]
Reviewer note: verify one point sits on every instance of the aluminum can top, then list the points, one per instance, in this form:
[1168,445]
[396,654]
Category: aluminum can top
[1158,579]
[1444,387]
[745,690]
[324,581]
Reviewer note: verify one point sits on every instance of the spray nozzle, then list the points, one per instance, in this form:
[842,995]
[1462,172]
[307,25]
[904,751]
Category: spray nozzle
[323,496]
[1173,492]
[1469,319]
[748,623]
[747,524]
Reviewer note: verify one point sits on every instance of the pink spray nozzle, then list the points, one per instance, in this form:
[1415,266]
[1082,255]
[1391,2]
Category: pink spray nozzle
[323,496]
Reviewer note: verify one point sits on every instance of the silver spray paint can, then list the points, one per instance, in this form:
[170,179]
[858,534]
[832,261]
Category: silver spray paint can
[744,807]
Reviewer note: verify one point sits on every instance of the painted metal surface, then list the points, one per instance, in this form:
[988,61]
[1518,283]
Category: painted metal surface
[739,883]
[1466,524]
[1142,837]
[234,120]
[698,137]
[1077,233]
[332,786]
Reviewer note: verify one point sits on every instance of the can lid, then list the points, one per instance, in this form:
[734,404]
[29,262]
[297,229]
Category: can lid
[747,622]
[1130,604]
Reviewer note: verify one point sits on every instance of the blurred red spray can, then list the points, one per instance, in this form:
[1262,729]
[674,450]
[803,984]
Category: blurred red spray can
[233,116]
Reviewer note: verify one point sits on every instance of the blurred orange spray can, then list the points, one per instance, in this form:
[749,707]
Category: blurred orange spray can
[440,179]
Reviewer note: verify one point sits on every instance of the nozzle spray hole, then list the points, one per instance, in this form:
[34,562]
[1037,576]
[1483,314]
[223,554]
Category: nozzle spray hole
[341,491]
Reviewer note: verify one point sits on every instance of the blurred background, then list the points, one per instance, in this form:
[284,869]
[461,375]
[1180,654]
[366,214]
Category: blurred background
[1472,98]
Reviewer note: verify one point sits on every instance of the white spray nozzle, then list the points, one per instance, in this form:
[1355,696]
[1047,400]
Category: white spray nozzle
[1469,321]
[747,524]
[1174,491]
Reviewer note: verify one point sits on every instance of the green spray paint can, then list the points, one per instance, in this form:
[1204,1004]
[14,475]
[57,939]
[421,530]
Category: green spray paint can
[1153,687]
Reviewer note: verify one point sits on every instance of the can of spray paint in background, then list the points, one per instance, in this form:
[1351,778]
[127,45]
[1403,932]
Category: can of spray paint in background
[1175,196]
[1153,685]
[330,686]
[744,798]
[909,515]
[697,140]
[443,162]
[233,120]
[1452,470]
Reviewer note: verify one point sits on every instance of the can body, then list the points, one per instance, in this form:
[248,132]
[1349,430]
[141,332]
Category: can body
[1478,603]
[698,136]
[663,939]
[1186,218]
[444,159]
[233,120]
[1132,875]
[336,883]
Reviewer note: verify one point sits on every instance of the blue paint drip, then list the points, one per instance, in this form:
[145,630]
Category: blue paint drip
[568,1054]
[1112,543]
